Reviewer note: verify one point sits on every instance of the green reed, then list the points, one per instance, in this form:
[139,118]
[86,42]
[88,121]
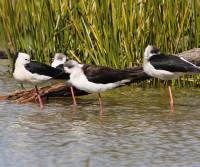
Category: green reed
[108,32]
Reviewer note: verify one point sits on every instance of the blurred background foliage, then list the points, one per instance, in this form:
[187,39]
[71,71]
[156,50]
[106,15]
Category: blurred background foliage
[107,32]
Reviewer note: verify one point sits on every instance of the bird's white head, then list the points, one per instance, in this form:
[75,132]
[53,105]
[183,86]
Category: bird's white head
[59,59]
[150,50]
[72,66]
[22,59]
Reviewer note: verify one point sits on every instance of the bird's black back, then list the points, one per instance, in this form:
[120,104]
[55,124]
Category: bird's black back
[100,74]
[44,69]
[172,63]
[61,67]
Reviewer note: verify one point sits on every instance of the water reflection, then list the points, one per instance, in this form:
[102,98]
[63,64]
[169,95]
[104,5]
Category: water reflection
[137,129]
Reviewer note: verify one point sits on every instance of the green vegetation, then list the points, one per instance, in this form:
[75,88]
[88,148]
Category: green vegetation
[2,37]
[107,32]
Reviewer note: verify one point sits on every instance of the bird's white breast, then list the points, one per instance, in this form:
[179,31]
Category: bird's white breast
[79,80]
[22,75]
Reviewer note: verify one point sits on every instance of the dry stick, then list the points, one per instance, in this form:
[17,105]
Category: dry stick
[30,95]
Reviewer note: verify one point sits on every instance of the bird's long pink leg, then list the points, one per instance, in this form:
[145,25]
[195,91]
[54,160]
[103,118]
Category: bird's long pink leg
[171,98]
[73,96]
[100,104]
[39,98]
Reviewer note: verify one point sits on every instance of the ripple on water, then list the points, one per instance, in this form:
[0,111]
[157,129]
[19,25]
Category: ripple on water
[137,129]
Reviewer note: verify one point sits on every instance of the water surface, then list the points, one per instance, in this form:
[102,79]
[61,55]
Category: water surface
[137,129]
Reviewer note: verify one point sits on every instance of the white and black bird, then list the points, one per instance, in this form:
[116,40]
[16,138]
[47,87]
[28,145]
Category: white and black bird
[97,79]
[27,71]
[99,74]
[58,62]
[166,67]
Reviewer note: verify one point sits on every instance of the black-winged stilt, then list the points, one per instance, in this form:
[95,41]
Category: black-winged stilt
[27,71]
[166,67]
[98,73]
[58,62]
[91,78]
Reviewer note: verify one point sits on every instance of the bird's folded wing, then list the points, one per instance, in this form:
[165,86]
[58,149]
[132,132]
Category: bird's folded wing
[44,69]
[104,75]
[172,63]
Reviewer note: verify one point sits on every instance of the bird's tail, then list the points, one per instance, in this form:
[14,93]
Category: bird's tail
[124,82]
[194,70]
[136,74]
[197,70]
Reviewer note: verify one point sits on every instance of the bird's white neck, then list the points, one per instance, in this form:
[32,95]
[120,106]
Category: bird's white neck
[78,72]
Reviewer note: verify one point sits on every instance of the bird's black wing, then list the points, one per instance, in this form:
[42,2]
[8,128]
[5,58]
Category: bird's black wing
[100,74]
[61,67]
[44,69]
[172,63]
[67,93]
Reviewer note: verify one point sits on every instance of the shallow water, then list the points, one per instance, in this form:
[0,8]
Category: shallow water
[137,129]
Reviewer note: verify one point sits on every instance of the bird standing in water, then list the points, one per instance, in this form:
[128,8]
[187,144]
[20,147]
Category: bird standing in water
[97,79]
[166,67]
[27,71]
[58,62]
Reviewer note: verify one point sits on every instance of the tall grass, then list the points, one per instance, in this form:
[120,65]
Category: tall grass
[107,32]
